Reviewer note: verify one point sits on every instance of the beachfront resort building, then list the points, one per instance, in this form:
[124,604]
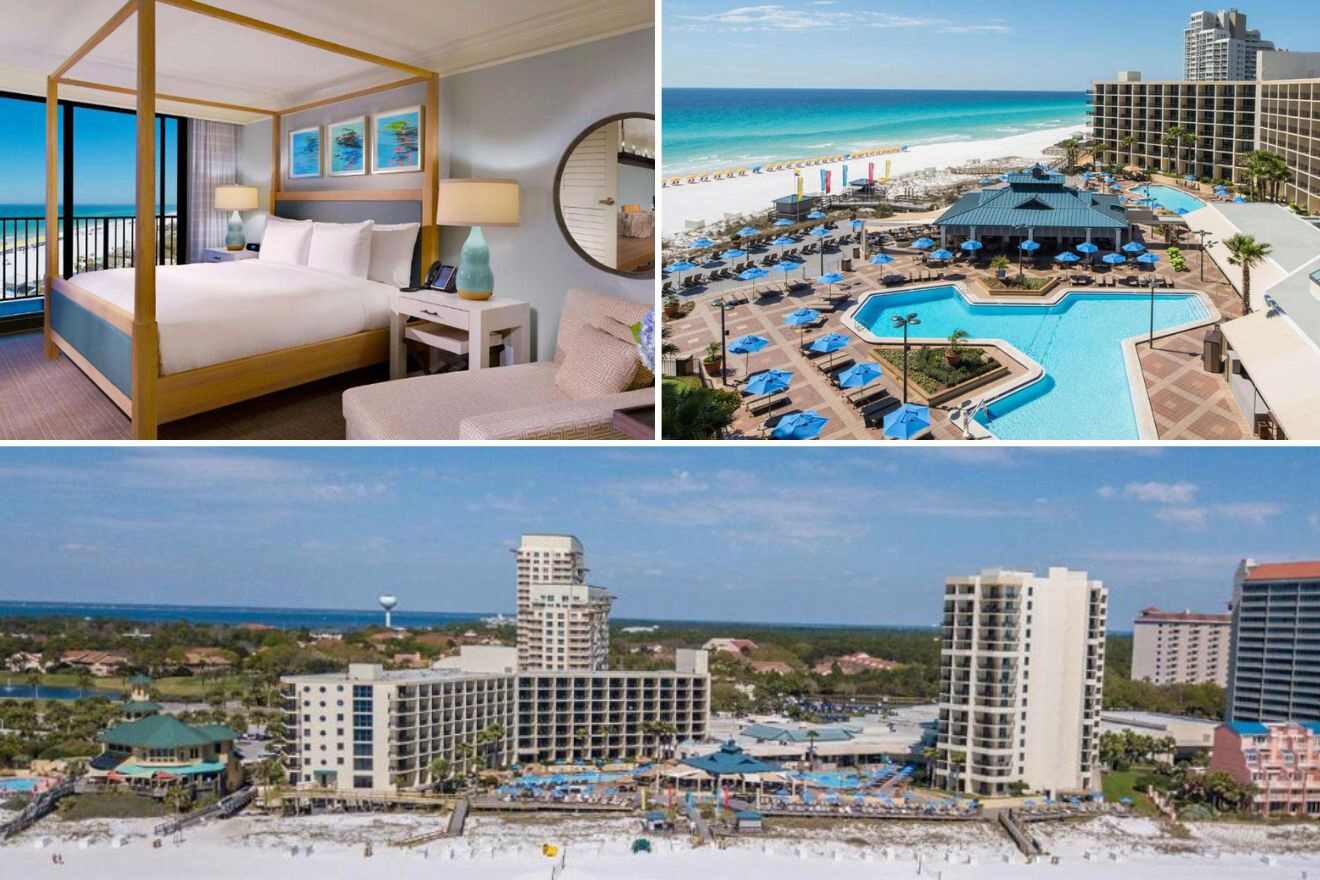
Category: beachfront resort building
[1274,665]
[1021,671]
[1190,735]
[1034,204]
[1281,760]
[1289,125]
[1219,46]
[1181,647]
[563,622]
[157,750]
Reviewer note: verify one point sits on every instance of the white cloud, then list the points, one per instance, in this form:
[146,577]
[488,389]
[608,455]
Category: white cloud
[347,491]
[1162,493]
[1190,517]
[1254,512]
[975,29]
[777,17]
[1106,491]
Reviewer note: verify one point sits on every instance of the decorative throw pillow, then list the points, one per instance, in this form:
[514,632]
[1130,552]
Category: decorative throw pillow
[392,253]
[341,248]
[596,365]
[286,241]
[643,378]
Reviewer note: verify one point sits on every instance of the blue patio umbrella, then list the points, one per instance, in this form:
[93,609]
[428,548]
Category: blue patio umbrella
[908,421]
[923,244]
[701,244]
[783,221]
[1190,178]
[1113,259]
[856,225]
[769,382]
[746,232]
[805,425]
[860,375]
[941,255]
[1181,211]
[818,231]
[881,260]
[747,346]
[782,242]
[1029,246]
[784,266]
[799,317]
[1238,200]
[1067,257]
[830,278]
[733,254]
[829,344]
[816,215]
[1148,259]
[971,245]
[753,275]
[1133,247]
[1087,247]
[680,267]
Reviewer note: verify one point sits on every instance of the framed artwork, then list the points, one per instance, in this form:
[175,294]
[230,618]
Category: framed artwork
[305,152]
[346,143]
[396,141]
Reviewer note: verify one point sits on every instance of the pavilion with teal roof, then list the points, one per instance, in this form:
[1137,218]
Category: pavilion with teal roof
[1035,204]
[159,749]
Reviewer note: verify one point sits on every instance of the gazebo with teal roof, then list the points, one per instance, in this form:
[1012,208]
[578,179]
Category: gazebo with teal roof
[1034,204]
[160,748]
[139,704]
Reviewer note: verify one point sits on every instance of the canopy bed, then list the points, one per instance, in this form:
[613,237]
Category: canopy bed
[227,332]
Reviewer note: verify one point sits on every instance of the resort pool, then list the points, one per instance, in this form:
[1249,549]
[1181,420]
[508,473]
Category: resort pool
[1169,198]
[1084,393]
[12,785]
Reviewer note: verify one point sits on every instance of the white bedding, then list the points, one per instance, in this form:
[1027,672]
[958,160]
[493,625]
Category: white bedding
[209,313]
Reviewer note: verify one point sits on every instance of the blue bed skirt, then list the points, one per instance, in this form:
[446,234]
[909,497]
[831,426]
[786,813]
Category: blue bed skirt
[106,347]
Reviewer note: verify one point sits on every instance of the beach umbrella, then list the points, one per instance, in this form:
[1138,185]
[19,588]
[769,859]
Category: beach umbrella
[923,244]
[1029,246]
[816,215]
[783,221]
[800,318]
[829,344]
[733,254]
[1148,259]
[1067,257]
[782,242]
[829,280]
[1238,200]
[753,275]
[857,225]
[971,245]
[746,232]
[881,260]
[680,267]
[908,421]
[859,375]
[769,382]
[941,255]
[700,244]
[1087,247]
[818,231]
[805,425]
[1113,259]
[747,346]
[1133,247]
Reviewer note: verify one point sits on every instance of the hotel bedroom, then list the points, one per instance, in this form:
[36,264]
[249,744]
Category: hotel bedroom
[461,244]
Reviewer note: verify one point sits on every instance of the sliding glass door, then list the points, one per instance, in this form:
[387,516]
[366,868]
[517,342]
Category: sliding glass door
[97,181]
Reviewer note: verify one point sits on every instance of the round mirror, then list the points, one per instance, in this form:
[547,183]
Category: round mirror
[605,194]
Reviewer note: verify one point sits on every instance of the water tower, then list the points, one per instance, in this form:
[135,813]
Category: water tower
[387,602]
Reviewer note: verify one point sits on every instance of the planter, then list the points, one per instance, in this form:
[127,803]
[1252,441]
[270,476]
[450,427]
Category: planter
[715,367]
[1001,274]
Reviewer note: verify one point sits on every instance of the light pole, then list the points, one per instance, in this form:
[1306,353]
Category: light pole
[724,354]
[1201,234]
[1151,340]
[905,321]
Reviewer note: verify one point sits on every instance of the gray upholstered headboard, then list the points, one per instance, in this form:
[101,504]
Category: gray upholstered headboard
[355,211]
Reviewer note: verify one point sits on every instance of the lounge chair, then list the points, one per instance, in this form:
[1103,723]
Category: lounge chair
[829,367]
[864,397]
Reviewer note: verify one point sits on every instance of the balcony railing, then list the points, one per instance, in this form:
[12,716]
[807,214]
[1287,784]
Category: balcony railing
[98,243]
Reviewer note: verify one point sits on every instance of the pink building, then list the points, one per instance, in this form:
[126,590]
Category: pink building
[1281,759]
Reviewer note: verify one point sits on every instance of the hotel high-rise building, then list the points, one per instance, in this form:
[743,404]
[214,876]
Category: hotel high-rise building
[1274,665]
[1219,46]
[1021,671]
[1181,647]
[563,622]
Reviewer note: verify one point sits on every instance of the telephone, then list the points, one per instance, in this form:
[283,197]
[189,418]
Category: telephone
[441,277]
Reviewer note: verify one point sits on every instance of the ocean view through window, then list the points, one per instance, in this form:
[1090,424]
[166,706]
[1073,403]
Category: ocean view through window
[95,155]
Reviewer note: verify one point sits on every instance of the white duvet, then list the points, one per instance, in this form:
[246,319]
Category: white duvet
[209,313]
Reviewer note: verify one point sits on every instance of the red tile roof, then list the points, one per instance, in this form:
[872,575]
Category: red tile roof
[1285,571]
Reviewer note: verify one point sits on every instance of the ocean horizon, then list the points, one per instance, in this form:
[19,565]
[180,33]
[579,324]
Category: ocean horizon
[711,128]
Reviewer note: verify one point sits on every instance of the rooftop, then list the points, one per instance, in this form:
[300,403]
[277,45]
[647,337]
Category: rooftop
[1284,571]
[1155,615]
[164,732]
[1037,198]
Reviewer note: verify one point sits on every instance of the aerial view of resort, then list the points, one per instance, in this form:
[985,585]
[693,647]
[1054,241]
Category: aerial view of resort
[955,227]
[538,691]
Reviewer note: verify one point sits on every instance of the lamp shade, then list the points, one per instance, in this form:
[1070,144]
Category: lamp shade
[236,198]
[477,202]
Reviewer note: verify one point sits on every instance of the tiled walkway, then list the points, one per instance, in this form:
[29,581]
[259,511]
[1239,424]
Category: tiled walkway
[1188,403]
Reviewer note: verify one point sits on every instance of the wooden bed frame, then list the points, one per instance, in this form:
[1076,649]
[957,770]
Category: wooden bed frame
[157,398]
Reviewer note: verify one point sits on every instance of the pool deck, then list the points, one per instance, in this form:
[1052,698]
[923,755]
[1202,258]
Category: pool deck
[1186,403]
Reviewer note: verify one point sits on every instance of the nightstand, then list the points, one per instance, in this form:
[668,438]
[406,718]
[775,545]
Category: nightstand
[458,326]
[220,255]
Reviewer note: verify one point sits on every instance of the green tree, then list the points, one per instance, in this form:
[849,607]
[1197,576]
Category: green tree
[694,412]
[1245,251]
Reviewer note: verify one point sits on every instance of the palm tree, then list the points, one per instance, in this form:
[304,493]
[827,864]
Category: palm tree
[1172,234]
[1127,142]
[1098,153]
[1072,147]
[85,680]
[1245,251]
[440,771]
[1175,138]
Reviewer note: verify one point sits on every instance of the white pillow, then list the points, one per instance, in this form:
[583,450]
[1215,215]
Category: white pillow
[286,241]
[342,248]
[392,253]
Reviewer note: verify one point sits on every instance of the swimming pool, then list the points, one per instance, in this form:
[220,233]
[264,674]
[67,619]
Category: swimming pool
[1169,198]
[11,785]
[1084,394]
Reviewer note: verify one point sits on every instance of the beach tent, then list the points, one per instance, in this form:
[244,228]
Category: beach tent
[805,425]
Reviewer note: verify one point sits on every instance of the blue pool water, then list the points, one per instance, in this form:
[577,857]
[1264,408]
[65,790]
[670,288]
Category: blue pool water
[10,785]
[1170,198]
[1084,393]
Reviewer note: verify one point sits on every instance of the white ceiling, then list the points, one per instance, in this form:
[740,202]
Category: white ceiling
[202,57]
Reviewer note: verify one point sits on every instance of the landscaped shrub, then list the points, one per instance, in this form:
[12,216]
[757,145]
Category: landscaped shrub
[929,369]
[1177,260]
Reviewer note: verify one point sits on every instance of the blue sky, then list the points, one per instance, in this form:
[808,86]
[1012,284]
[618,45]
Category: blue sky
[956,44]
[104,150]
[811,535]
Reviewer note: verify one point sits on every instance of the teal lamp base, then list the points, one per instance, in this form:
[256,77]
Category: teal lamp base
[234,240]
[475,280]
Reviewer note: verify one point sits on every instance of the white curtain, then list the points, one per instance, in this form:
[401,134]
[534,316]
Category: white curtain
[213,161]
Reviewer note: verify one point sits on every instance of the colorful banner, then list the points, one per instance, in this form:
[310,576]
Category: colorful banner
[825,180]
[870,172]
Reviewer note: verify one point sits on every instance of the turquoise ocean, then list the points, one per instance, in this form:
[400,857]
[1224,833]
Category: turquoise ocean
[706,129]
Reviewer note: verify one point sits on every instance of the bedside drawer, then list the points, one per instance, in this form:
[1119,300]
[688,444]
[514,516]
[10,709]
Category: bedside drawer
[441,314]
[213,257]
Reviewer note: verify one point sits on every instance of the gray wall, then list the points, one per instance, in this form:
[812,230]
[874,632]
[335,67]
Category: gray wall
[513,120]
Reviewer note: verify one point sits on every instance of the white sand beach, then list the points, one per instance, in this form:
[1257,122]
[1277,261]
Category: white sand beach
[499,849]
[710,201]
